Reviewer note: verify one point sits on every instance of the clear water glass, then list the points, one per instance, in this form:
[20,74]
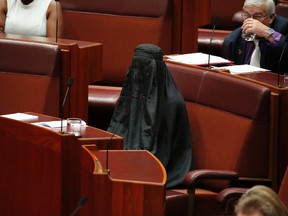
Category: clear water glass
[74,126]
[248,36]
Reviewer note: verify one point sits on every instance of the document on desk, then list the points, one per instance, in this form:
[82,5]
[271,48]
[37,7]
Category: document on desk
[240,69]
[198,59]
[21,116]
[55,124]
[52,124]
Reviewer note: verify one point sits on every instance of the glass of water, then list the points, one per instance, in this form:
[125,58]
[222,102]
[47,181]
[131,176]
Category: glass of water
[74,126]
[248,36]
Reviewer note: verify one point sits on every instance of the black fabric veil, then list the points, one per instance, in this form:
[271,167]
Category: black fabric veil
[151,114]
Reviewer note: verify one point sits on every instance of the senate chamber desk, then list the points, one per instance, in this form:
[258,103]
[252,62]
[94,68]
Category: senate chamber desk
[81,60]
[278,109]
[44,172]
[88,134]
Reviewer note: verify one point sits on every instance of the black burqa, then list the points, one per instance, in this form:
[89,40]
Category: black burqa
[151,114]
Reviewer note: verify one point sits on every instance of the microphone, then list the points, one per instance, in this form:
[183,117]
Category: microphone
[57,20]
[81,203]
[69,85]
[108,147]
[279,62]
[214,22]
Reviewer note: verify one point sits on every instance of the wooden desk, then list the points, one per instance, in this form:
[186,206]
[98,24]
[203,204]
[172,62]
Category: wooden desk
[39,169]
[81,60]
[89,135]
[135,186]
[44,173]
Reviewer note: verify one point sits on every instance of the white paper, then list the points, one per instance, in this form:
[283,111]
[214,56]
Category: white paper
[21,116]
[52,124]
[55,124]
[197,59]
[239,69]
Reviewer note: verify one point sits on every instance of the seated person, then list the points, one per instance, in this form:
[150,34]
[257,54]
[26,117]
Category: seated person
[31,17]
[271,34]
[151,114]
[260,201]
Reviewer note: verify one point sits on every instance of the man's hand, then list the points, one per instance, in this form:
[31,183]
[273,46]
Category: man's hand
[254,26]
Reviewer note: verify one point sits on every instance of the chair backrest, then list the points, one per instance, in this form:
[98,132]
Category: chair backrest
[224,14]
[25,57]
[29,77]
[282,9]
[120,26]
[229,120]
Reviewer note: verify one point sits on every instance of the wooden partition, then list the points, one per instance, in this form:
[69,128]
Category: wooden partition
[39,169]
[135,186]
[88,134]
[194,13]
[44,172]
[80,60]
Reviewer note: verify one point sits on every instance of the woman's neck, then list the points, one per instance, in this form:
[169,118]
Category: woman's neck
[26,2]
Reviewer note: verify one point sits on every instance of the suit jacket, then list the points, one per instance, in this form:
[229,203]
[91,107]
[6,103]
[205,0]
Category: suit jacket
[235,47]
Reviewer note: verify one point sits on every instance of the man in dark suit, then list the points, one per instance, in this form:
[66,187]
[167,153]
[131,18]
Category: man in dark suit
[271,34]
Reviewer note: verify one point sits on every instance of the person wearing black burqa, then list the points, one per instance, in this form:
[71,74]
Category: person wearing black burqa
[151,114]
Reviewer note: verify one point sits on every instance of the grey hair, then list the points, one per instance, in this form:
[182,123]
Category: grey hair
[270,4]
[261,199]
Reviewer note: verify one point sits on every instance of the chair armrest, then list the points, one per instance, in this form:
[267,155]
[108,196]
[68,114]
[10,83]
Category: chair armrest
[228,197]
[228,194]
[193,177]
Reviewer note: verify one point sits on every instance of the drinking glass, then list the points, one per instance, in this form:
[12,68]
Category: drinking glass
[74,126]
[248,36]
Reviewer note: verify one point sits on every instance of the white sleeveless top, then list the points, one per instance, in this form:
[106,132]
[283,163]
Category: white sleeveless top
[27,19]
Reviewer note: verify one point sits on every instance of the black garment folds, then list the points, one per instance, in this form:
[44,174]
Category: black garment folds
[151,114]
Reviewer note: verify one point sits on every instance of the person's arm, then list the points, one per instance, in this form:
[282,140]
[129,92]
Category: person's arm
[52,20]
[3,11]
